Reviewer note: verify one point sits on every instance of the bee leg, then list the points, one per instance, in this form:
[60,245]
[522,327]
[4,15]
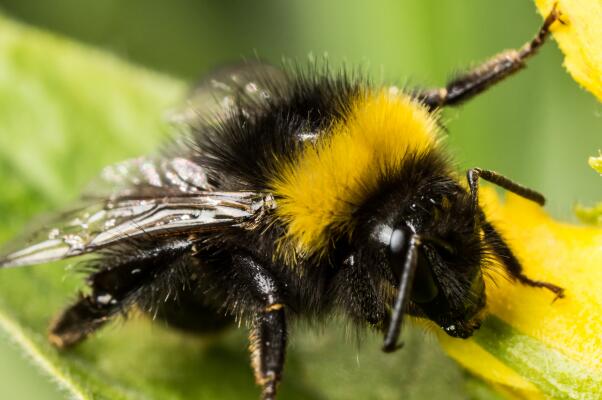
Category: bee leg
[494,70]
[267,345]
[511,263]
[118,281]
[78,321]
[493,237]
[268,333]
[473,175]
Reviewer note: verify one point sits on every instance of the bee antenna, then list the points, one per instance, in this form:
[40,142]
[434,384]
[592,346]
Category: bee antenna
[403,296]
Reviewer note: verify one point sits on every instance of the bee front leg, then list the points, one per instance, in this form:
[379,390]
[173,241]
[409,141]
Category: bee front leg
[474,174]
[268,333]
[511,263]
[477,80]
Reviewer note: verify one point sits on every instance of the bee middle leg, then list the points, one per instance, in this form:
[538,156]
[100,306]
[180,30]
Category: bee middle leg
[473,82]
[268,332]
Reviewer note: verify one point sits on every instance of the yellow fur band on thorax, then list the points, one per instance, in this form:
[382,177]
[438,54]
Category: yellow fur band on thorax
[318,193]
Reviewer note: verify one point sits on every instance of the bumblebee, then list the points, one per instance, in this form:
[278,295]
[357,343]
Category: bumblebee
[293,193]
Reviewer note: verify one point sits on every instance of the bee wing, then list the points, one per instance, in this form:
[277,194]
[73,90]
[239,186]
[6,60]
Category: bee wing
[105,223]
[149,178]
[243,85]
[162,195]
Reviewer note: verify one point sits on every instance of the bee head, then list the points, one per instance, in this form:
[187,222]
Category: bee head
[425,254]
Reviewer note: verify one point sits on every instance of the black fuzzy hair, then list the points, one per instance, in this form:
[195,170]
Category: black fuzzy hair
[244,149]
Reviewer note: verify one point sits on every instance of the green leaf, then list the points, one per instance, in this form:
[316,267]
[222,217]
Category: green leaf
[67,110]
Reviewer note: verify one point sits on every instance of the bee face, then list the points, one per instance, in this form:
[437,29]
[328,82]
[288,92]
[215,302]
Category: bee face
[459,297]
[447,286]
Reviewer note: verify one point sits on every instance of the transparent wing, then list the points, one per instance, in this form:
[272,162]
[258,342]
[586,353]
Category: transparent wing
[241,85]
[162,195]
[148,178]
[105,223]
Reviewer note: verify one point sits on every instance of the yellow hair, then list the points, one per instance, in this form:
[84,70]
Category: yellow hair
[318,193]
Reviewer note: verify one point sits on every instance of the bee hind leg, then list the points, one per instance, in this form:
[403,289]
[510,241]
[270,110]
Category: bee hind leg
[79,320]
[121,278]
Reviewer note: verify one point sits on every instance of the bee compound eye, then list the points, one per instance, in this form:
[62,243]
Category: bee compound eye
[398,239]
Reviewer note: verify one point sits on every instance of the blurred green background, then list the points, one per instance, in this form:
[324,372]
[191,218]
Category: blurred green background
[538,127]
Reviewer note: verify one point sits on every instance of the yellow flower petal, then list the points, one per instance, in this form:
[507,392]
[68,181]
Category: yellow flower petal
[596,163]
[592,215]
[580,39]
[531,344]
